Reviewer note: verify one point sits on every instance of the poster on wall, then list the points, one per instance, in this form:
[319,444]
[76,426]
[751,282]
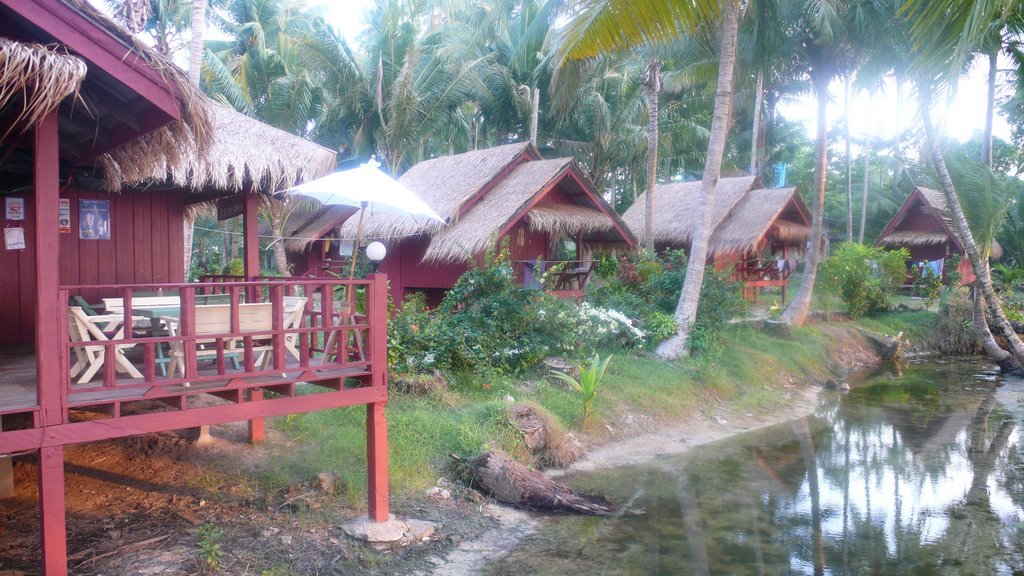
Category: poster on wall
[94,219]
[64,216]
[14,208]
[14,238]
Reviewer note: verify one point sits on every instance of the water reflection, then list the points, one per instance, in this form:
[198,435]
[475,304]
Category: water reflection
[918,473]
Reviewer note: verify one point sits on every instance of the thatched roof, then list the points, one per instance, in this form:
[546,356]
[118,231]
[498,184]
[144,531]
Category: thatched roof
[914,238]
[675,208]
[568,219]
[40,76]
[482,193]
[756,215]
[243,150]
[479,227]
[193,134]
[933,198]
[445,184]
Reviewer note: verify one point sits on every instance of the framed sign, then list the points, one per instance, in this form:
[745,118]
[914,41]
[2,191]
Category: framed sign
[14,208]
[94,219]
[64,216]
[14,238]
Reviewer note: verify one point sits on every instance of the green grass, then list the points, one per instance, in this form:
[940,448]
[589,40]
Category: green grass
[749,370]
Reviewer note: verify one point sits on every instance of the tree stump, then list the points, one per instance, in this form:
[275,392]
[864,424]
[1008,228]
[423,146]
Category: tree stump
[510,482]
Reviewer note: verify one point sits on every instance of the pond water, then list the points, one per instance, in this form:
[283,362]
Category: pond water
[917,473]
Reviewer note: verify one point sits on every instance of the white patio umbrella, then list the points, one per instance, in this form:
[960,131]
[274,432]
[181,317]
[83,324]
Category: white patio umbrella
[368,188]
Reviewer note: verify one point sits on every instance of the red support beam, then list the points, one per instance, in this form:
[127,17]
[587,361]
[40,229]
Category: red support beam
[251,258]
[47,243]
[256,428]
[48,337]
[376,422]
[251,237]
[377,461]
[52,519]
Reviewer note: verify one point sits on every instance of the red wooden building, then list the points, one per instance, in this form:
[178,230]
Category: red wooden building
[919,226]
[757,232]
[546,209]
[85,109]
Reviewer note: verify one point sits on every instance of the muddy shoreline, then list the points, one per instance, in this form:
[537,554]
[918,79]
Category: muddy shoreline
[513,525]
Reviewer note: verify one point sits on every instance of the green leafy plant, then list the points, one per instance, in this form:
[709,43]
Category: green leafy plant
[587,383]
[864,277]
[209,545]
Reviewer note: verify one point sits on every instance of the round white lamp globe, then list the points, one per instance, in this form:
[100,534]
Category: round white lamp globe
[376,251]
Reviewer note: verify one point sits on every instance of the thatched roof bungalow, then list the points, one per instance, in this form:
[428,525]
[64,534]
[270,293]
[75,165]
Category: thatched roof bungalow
[547,209]
[103,145]
[754,228]
[921,225]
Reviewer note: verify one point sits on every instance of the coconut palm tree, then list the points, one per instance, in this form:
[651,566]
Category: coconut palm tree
[946,33]
[603,25]
[829,49]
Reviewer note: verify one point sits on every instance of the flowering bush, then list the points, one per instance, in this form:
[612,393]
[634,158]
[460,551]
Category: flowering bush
[649,291]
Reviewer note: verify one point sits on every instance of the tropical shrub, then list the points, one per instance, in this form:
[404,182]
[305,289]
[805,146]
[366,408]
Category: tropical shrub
[647,288]
[486,320]
[954,329]
[862,276]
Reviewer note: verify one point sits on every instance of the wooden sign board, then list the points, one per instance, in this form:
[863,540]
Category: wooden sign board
[230,206]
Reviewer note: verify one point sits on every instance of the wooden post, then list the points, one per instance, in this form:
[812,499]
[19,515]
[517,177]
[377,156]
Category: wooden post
[51,394]
[256,426]
[251,239]
[376,422]
[377,461]
[251,248]
[53,528]
[6,477]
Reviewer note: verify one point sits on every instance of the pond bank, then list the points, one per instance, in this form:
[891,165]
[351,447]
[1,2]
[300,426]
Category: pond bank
[794,393]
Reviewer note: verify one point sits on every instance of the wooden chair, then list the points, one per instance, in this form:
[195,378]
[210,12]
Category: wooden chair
[89,359]
[216,319]
[294,311]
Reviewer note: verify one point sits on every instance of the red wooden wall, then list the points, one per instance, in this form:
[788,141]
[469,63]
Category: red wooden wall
[146,245]
[406,271]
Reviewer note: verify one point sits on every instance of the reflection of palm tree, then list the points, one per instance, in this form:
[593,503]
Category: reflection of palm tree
[690,509]
[802,430]
[975,541]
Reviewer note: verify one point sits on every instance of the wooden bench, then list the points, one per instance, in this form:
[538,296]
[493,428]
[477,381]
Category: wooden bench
[216,319]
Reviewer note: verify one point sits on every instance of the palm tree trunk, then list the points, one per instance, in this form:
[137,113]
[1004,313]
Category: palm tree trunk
[984,335]
[796,312]
[195,49]
[652,86]
[195,57]
[686,309]
[189,232]
[849,167]
[755,129]
[983,280]
[280,257]
[990,106]
[864,194]
[534,114]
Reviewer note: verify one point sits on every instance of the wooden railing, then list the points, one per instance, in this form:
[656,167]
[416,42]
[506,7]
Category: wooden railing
[271,328]
[566,275]
[760,270]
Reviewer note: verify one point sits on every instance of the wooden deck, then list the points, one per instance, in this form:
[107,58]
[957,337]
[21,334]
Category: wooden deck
[18,385]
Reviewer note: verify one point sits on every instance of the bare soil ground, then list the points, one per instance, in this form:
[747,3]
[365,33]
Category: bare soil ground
[136,506]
